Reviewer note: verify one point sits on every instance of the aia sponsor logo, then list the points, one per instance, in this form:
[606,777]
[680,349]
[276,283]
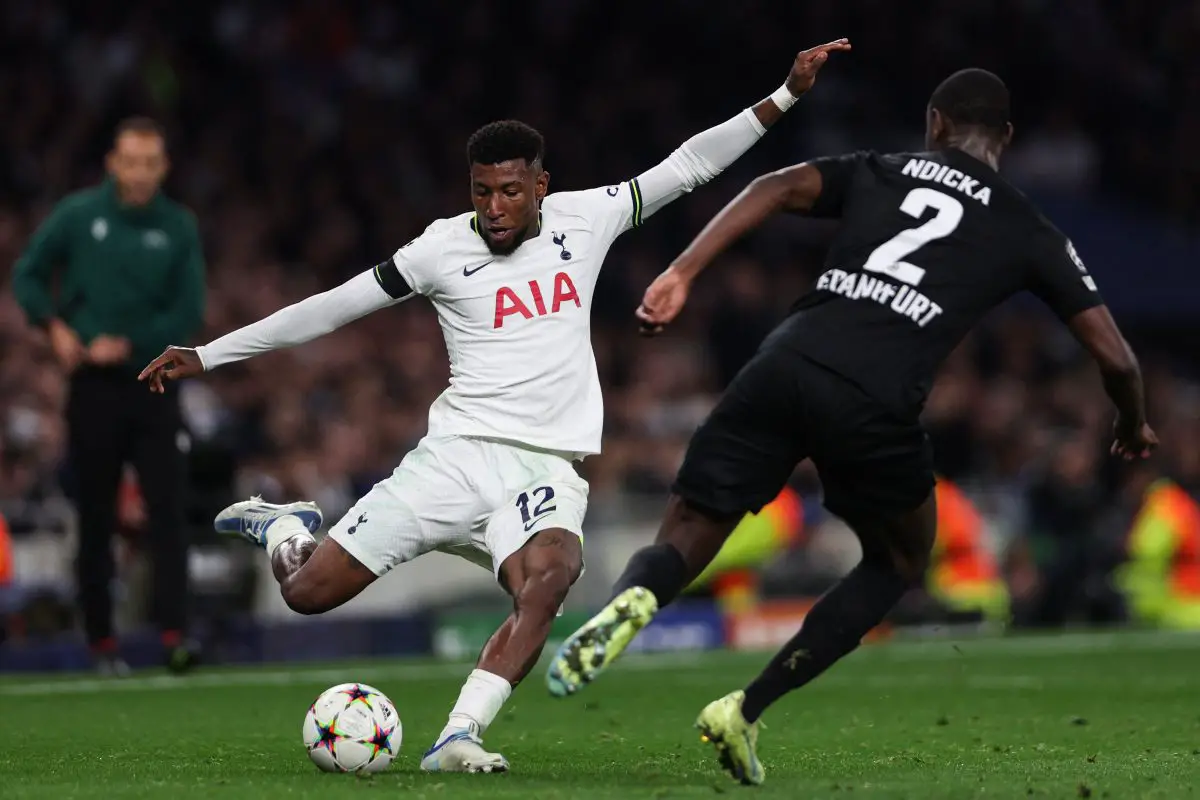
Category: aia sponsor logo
[530,301]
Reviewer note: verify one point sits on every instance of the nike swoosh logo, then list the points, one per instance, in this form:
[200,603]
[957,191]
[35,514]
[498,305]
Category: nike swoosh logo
[531,524]
[469,272]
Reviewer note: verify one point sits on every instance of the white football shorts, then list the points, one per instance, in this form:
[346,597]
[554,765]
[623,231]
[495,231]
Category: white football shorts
[481,499]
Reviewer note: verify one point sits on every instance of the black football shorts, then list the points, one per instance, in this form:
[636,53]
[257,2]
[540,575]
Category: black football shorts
[782,408]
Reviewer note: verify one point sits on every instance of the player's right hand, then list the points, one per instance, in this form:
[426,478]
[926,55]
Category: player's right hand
[663,301]
[176,363]
[1133,441]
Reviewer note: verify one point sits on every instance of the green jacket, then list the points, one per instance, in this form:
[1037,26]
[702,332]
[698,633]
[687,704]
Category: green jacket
[106,268]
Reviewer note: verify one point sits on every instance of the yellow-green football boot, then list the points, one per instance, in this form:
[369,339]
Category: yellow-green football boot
[591,649]
[721,723]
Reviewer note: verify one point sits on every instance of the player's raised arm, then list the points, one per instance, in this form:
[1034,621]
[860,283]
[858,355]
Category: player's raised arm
[298,323]
[704,156]
[795,189]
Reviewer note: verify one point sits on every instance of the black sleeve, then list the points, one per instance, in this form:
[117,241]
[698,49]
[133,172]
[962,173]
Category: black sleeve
[391,281]
[1058,276]
[837,175]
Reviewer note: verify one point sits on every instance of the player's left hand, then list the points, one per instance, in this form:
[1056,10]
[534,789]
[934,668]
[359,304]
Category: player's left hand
[663,301]
[174,364]
[809,63]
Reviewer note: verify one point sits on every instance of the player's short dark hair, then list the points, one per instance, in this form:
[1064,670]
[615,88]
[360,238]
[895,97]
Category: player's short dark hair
[143,126]
[506,140]
[973,98]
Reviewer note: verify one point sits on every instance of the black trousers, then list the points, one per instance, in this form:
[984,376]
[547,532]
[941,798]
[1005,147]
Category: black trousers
[113,420]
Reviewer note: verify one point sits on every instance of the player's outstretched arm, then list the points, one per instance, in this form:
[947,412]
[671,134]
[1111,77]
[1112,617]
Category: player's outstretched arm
[1097,331]
[1060,278]
[704,156]
[794,189]
[298,323]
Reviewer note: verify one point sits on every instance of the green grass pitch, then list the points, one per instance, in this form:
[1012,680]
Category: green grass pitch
[1078,715]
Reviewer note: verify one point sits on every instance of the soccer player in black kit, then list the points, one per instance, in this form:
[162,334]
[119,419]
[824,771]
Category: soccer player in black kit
[929,242]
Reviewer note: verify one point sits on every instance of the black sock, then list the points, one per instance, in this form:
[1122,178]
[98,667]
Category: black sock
[659,568]
[834,627]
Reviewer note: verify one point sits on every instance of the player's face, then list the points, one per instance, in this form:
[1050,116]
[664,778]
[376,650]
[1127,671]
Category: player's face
[506,197]
[138,163]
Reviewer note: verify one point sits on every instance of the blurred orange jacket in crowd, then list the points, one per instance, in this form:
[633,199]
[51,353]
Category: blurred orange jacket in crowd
[1161,579]
[963,573]
[6,556]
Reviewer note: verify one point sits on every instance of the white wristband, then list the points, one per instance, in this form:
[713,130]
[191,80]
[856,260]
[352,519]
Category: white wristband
[783,98]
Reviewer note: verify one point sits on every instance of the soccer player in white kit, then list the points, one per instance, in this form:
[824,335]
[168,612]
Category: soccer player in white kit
[493,480]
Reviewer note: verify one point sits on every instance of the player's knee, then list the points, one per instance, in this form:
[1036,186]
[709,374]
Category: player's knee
[903,546]
[912,567]
[911,559]
[545,589]
[906,562]
[696,531]
[303,597]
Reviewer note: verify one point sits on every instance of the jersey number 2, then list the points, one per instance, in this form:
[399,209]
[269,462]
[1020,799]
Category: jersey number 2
[889,257]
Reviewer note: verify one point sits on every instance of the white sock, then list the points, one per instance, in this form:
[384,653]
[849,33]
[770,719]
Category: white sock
[480,700]
[283,529]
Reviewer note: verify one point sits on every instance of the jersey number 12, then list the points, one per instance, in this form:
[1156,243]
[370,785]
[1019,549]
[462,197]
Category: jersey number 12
[889,257]
[543,507]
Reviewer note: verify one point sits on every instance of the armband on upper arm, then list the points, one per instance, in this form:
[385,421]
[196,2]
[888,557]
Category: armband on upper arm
[391,281]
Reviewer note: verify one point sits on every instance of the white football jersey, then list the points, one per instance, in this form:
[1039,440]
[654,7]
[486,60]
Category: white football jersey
[518,326]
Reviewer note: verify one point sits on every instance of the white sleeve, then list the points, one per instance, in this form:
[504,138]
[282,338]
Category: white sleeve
[414,267]
[301,322]
[696,162]
[616,209]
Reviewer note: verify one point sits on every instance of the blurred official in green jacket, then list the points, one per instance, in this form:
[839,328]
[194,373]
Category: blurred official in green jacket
[114,275]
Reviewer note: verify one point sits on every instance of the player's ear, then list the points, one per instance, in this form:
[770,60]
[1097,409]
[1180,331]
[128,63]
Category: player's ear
[1008,134]
[541,185]
[934,126]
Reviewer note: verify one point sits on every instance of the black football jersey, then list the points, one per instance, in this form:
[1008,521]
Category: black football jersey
[928,244]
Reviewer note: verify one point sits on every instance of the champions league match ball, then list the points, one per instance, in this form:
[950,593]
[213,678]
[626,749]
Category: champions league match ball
[352,727]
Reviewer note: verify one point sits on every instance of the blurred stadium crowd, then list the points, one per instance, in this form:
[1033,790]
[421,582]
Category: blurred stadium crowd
[314,137]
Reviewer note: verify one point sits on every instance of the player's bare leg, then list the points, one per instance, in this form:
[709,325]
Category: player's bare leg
[538,577]
[896,549]
[313,578]
[689,538]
